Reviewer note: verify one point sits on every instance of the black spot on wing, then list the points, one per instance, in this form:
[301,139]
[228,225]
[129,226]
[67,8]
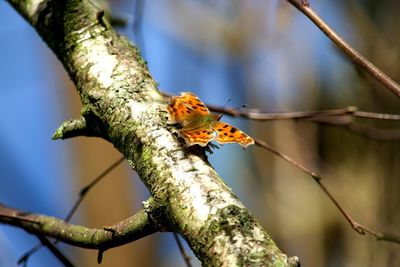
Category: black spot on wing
[233,130]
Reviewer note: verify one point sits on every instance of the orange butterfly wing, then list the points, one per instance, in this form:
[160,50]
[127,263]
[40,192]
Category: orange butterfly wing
[200,136]
[229,134]
[186,107]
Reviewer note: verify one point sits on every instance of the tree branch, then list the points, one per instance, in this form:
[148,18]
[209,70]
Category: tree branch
[56,252]
[337,117]
[311,115]
[346,48]
[116,87]
[359,228]
[128,230]
[82,194]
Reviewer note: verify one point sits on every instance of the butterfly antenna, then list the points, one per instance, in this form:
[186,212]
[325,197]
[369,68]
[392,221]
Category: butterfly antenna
[221,114]
[224,106]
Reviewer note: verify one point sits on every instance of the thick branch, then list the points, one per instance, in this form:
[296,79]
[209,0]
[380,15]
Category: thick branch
[128,230]
[116,87]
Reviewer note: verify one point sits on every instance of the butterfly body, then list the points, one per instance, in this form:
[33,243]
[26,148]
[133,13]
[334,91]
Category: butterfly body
[199,126]
[198,121]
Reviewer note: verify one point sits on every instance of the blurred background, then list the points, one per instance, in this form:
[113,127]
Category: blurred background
[263,53]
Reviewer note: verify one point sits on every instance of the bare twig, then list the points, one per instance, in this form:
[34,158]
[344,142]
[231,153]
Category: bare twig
[24,258]
[378,116]
[56,252]
[351,53]
[261,116]
[185,256]
[317,178]
[266,146]
[89,186]
[314,114]
[337,117]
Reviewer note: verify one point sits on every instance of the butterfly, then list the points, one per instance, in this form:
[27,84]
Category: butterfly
[199,126]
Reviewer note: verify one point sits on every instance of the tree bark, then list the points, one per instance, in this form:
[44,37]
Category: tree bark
[122,105]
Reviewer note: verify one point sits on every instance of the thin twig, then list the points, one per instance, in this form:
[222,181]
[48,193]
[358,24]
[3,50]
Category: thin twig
[359,228]
[346,48]
[56,252]
[185,256]
[263,116]
[342,117]
[317,178]
[260,116]
[266,146]
[378,116]
[24,258]
[89,186]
